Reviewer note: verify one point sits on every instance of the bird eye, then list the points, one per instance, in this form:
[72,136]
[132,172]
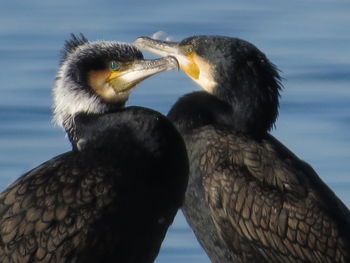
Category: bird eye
[115,66]
[188,50]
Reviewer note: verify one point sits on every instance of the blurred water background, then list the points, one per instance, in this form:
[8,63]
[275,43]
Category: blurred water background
[308,40]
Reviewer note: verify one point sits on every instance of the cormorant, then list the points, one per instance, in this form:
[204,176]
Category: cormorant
[249,198]
[113,197]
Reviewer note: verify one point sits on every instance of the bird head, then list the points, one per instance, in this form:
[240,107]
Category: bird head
[233,70]
[98,77]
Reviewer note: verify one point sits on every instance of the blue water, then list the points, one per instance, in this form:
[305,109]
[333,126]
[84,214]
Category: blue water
[308,40]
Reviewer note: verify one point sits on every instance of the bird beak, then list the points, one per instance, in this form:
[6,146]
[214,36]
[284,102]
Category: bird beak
[159,47]
[140,70]
[165,48]
[196,67]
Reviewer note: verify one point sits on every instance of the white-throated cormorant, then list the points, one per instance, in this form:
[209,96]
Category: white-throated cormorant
[249,198]
[112,198]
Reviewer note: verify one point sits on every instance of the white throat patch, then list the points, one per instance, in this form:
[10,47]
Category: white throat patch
[206,76]
[68,100]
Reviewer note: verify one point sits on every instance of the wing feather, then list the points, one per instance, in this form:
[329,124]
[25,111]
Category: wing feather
[269,200]
[43,215]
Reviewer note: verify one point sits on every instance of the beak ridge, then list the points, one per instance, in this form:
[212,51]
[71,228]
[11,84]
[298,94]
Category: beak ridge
[159,47]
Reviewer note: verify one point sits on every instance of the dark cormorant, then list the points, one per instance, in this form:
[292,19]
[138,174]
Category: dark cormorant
[112,198]
[249,198]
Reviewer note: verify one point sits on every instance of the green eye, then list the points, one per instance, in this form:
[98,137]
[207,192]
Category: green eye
[187,49]
[115,66]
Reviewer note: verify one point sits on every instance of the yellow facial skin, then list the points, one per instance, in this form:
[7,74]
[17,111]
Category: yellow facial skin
[107,85]
[113,75]
[199,70]
[98,82]
[191,68]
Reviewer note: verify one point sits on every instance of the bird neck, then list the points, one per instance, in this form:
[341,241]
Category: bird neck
[90,130]
[199,109]
[110,132]
[83,129]
[253,98]
[72,110]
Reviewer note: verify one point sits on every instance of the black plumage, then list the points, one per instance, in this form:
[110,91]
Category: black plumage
[112,198]
[249,198]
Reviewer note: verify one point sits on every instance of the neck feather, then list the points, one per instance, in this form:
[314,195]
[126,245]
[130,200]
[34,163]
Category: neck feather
[198,109]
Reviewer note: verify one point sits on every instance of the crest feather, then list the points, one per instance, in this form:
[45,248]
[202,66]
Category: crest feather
[71,44]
